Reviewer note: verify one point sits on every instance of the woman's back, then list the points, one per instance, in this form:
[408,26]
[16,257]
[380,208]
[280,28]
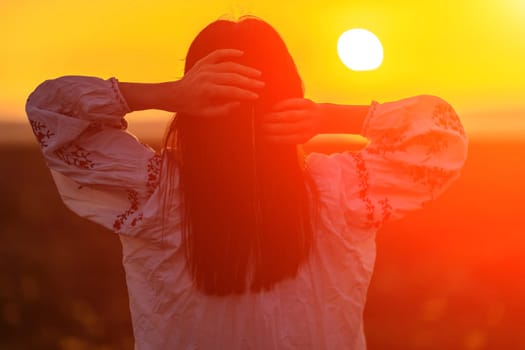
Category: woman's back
[416,148]
[319,309]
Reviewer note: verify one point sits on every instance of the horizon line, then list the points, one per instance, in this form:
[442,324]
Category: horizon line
[20,133]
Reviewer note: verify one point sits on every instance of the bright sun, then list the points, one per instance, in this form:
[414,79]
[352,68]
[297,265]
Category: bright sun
[360,50]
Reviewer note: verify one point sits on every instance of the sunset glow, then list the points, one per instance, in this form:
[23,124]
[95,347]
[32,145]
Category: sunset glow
[428,47]
[445,276]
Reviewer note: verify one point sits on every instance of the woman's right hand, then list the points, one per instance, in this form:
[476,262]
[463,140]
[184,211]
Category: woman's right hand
[292,121]
[215,86]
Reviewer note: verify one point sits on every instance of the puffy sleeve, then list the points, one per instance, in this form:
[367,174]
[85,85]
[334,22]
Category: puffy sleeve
[102,172]
[417,148]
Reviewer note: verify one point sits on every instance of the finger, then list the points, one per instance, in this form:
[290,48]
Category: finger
[237,80]
[232,93]
[233,67]
[284,117]
[292,103]
[288,139]
[219,55]
[222,109]
[287,129]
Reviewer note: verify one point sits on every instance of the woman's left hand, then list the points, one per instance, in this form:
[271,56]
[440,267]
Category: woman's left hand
[292,121]
[215,85]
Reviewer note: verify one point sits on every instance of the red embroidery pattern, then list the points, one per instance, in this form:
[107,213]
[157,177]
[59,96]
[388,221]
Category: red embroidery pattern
[445,117]
[386,208]
[119,98]
[433,178]
[433,142]
[42,133]
[133,207]
[362,174]
[391,141]
[75,155]
[153,173]
[136,220]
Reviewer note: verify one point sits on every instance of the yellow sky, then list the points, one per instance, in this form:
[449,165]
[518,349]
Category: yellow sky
[470,52]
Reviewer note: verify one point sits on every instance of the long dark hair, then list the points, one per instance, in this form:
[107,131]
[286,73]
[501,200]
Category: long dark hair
[248,205]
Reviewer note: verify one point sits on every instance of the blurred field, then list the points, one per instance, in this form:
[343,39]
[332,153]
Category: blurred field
[447,277]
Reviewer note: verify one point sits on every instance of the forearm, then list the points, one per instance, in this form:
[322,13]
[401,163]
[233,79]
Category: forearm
[142,96]
[342,119]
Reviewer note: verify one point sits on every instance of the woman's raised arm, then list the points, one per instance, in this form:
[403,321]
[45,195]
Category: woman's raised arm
[103,172]
[212,87]
[417,148]
[297,120]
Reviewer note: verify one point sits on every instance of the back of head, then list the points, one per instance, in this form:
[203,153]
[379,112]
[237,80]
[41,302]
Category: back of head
[263,49]
[246,202]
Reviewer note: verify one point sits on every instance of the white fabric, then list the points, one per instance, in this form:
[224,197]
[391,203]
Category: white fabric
[417,148]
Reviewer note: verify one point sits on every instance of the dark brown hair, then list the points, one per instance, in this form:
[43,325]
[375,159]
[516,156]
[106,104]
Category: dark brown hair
[248,205]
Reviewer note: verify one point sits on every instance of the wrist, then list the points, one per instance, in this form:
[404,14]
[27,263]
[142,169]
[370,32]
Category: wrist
[342,119]
[142,96]
[166,96]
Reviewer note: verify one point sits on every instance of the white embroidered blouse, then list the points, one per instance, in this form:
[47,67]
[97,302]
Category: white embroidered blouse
[417,147]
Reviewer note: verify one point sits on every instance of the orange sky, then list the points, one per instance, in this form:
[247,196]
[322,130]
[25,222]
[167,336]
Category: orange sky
[470,52]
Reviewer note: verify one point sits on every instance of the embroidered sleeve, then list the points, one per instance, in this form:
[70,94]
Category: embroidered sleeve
[102,172]
[417,147]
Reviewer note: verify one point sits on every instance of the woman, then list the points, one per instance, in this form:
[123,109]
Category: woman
[231,238]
